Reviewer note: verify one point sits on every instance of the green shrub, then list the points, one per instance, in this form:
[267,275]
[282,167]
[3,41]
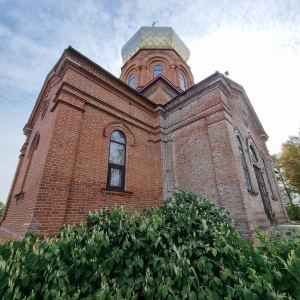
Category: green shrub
[186,249]
[1,209]
[293,212]
[278,260]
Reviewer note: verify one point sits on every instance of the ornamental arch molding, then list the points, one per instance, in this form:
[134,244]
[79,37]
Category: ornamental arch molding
[186,72]
[147,57]
[128,71]
[119,125]
[251,143]
[238,133]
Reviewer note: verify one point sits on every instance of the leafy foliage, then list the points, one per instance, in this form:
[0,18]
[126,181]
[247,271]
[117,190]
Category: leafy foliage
[1,209]
[293,212]
[290,196]
[279,261]
[290,161]
[186,249]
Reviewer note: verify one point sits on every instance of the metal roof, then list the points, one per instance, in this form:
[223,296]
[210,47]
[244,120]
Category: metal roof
[155,38]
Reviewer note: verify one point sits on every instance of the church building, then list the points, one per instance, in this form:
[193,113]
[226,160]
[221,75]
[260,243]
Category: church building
[96,141]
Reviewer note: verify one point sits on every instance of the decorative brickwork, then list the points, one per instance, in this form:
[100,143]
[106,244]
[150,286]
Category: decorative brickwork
[143,62]
[174,139]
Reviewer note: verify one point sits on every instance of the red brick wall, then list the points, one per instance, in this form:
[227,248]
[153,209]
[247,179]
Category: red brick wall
[188,143]
[88,187]
[142,63]
[203,156]
[19,212]
[68,172]
[245,123]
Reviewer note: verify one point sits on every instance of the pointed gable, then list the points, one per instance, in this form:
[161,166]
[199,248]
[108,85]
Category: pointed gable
[160,90]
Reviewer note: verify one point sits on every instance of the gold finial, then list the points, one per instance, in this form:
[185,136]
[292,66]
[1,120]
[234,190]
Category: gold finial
[154,23]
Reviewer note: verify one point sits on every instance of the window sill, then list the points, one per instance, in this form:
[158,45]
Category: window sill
[111,191]
[253,193]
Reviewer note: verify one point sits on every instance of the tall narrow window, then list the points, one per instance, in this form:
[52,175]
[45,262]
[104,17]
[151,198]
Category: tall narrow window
[268,177]
[182,82]
[261,184]
[157,70]
[131,80]
[253,154]
[263,193]
[116,162]
[244,163]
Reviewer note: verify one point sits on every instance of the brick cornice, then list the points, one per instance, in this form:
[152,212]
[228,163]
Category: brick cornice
[100,105]
[48,84]
[59,101]
[214,81]
[138,101]
[92,68]
[215,109]
[238,89]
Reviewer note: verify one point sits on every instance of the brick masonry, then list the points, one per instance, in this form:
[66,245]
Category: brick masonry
[142,63]
[174,139]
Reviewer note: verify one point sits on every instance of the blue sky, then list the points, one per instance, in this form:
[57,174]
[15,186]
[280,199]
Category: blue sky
[257,41]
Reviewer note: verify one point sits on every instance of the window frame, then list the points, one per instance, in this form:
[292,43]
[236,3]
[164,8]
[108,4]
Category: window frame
[182,81]
[155,71]
[131,80]
[268,178]
[111,166]
[244,164]
[253,154]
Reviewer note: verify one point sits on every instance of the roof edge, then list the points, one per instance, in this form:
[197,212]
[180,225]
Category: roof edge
[163,78]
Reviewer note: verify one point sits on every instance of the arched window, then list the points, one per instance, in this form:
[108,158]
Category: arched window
[157,70]
[182,82]
[253,154]
[131,80]
[116,162]
[268,177]
[244,163]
